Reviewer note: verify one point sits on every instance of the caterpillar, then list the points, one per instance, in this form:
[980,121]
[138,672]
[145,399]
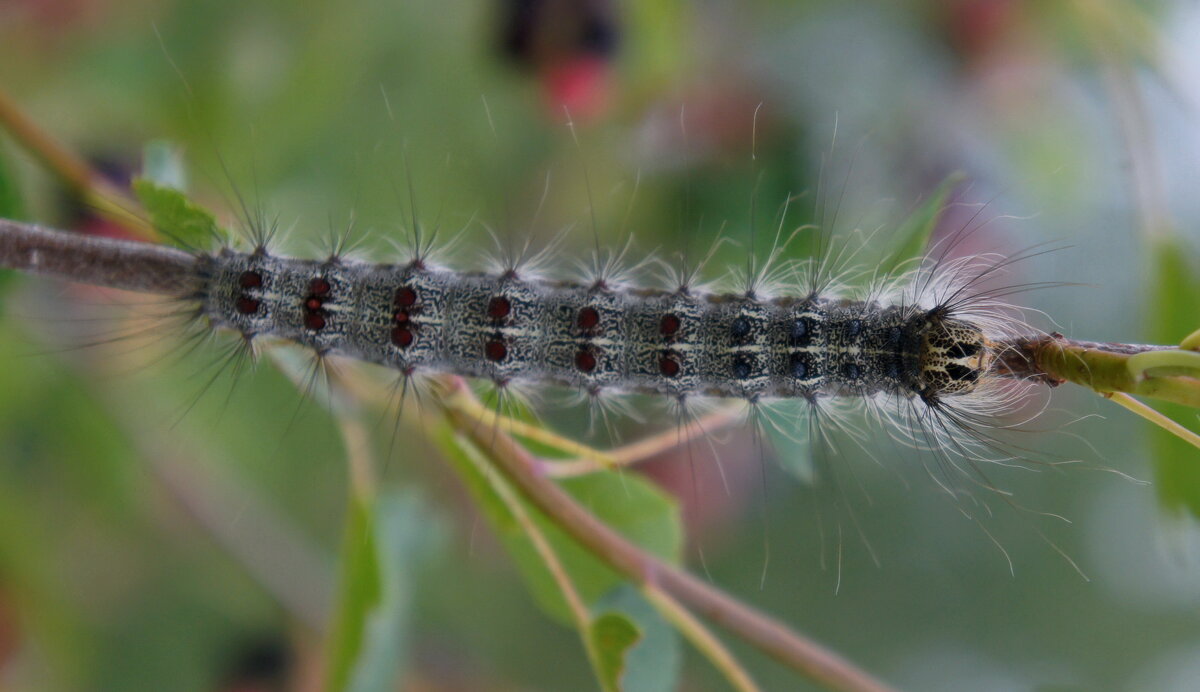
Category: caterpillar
[931,336]
[930,354]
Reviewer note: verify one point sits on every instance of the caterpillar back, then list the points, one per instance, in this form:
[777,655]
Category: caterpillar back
[683,343]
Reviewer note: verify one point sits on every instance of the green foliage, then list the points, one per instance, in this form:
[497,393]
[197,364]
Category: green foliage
[653,663]
[360,592]
[1176,312]
[10,208]
[181,222]
[912,237]
[627,503]
[612,635]
[386,542]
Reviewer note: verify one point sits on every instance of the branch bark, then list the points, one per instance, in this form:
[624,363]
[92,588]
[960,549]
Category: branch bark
[124,264]
[1103,367]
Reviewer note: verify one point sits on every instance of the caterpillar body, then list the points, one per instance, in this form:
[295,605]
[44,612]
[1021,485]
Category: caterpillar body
[930,341]
[675,343]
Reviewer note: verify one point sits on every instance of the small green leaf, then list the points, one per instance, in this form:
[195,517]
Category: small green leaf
[625,502]
[10,208]
[912,237]
[359,592]
[1175,314]
[612,635]
[175,216]
[10,194]
[384,545]
[655,661]
[405,536]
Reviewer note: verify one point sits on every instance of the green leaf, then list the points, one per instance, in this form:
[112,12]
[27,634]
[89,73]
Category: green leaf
[10,208]
[912,237]
[10,195]
[360,591]
[655,661]
[1175,314]
[180,221]
[406,535]
[383,547]
[627,503]
[612,635]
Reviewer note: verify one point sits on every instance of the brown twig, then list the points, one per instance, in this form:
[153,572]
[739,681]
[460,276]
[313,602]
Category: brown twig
[124,264]
[74,172]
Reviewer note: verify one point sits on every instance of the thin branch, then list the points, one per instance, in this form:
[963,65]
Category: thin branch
[1155,417]
[765,633]
[1103,367]
[72,170]
[595,458]
[589,459]
[124,264]
[652,446]
[558,572]
[672,610]
[701,638]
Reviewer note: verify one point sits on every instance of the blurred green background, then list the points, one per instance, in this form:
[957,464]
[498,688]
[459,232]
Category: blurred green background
[154,539]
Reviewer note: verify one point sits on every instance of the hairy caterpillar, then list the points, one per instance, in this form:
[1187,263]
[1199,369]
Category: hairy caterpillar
[929,352]
[929,336]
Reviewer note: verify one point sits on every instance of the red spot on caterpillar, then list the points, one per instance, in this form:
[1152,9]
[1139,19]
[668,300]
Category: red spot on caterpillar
[668,365]
[312,304]
[246,306]
[585,360]
[498,308]
[669,325]
[406,297]
[402,337]
[401,317]
[314,321]
[250,280]
[495,351]
[319,286]
[588,318]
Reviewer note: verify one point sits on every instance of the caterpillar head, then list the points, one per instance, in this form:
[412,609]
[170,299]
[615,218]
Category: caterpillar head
[954,356]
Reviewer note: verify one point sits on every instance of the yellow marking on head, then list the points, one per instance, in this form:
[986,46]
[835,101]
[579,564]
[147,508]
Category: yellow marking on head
[954,356]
